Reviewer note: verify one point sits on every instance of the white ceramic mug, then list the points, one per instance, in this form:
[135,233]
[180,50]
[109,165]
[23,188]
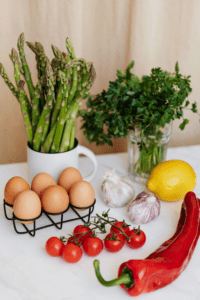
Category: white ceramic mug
[55,163]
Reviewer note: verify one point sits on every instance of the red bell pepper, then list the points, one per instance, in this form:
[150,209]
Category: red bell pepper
[164,265]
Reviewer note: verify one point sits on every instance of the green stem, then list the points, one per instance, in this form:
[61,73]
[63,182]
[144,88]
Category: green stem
[25,112]
[8,82]
[74,84]
[42,57]
[13,89]
[57,105]
[150,154]
[40,65]
[15,60]
[64,145]
[25,67]
[111,223]
[86,82]
[59,129]
[70,48]
[45,127]
[125,278]
[35,106]
[67,142]
[69,81]
[46,146]
[72,137]
[61,94]
[37,141]
[63,116]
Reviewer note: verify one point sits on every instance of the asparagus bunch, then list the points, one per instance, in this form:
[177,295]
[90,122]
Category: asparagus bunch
[51,108]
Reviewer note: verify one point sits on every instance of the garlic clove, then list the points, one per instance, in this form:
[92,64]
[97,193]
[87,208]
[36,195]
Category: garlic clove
[144,208]
[116,191]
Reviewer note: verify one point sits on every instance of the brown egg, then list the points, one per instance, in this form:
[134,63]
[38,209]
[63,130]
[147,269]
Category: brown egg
[40,182]
[68,177]
[27,205]
[55,199]
[81,194]
[13,187]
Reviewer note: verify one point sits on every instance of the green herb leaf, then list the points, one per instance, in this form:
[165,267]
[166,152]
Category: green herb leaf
[182,125]
[129,103]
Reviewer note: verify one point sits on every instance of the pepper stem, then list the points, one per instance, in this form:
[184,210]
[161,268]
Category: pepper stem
[125,278]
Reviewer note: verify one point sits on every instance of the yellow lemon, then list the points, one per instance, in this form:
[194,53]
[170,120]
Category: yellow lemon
[171,180]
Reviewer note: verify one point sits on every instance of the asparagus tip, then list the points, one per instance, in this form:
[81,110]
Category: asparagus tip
[39,46]
[20,42]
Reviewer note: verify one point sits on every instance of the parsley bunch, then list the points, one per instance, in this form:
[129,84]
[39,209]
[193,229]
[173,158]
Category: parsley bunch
[130,102]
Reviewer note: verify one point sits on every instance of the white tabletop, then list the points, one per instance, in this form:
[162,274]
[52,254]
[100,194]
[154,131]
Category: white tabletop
[28,272]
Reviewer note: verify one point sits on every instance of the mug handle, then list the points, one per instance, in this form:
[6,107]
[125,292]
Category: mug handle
[91,155]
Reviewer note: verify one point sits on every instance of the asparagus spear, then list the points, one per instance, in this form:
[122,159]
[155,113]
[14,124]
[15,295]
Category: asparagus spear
[37,57]
[47,107]
[36,106]
[49,139]
[46,127]
[67,70]
[59,129]
[40,68]
[70,48]
[60,125]
[46,146]
[43,62]
[8,82]
[57,53]
[61,117]
[60,94]
[42,56]
[85,74]
[58,64]
[86,84]
[61,57]
[74,83]
[25,112]
[17,66]
[25,67]
[67,130]
[67,133]
[12,87]
[72,138]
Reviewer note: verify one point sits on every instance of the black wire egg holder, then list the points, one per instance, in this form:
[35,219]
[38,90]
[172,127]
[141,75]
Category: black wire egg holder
[58,225]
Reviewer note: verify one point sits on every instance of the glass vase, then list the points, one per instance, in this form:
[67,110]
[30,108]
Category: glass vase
[145,152]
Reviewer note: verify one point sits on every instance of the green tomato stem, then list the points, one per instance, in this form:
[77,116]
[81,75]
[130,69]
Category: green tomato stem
[127,237]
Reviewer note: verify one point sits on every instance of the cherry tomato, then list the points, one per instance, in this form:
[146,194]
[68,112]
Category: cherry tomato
[54,246]
[124,227]
[114,243]
[72,253]
[138,238]
[92,246]
[81,229]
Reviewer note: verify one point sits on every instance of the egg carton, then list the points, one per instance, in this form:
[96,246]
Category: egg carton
[48,215]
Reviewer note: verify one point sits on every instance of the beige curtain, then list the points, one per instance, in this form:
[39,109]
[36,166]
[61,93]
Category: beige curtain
[110,33]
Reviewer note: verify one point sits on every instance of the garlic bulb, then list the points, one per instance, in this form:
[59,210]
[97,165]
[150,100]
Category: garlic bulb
[116,191]
[144,208]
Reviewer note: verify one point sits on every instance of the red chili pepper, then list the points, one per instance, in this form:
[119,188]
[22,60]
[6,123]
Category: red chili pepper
[164,265]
